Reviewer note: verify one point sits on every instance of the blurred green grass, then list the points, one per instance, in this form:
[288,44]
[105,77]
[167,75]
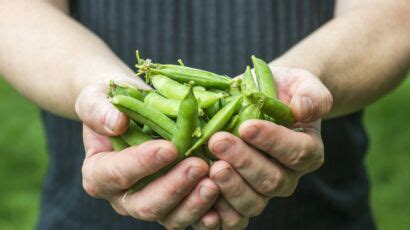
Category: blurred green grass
[24,160]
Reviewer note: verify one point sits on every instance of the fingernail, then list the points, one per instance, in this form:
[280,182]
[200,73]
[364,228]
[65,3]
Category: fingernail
[221,146]
[307,107]
[195,173]
[207,193]
[164,155]
[251,132]
[223,175]
[111,119]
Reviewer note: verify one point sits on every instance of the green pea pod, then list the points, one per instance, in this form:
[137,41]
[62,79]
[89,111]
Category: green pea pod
[134,135]
[181,74]
[118,143]
[147,130]
[199,88]
[276,109]
[264,77]
[234,91]
[268,118]
[194,72]
[226,100]
[122,88]
[114,89]
[216,124]
[212,110]
[250,112]
[166,106]
[187,122]
[175,90]
[248,85]
[182,139]
[231,124]
[144,114]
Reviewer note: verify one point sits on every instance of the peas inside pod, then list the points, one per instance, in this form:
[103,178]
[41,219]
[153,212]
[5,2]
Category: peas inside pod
[188,105]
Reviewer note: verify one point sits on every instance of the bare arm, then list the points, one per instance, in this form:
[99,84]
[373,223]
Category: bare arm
[48,57]
[360,55]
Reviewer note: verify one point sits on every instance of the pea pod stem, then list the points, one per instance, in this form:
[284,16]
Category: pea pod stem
[264,77]
[122,88]
[144,114]
[215,124]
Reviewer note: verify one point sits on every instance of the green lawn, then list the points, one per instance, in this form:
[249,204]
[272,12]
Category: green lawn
[24,160]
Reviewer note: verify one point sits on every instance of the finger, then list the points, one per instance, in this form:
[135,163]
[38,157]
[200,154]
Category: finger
[300,151]
[236,191]
[265,176]
[311,100]
[193,206]
[230,219]
[96,111]
[209,221]
[107,173]
[94,142]
[159,197]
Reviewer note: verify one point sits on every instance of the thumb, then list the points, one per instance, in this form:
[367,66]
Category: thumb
[97,112]
[311,100]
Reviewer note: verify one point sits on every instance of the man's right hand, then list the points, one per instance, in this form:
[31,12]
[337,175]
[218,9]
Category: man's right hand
[176,200]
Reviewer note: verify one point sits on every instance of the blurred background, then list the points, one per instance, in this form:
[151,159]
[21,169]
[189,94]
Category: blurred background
[23,159]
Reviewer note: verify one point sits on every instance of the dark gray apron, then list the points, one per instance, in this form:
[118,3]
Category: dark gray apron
[217,35]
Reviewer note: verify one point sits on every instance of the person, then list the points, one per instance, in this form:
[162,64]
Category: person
[330,59]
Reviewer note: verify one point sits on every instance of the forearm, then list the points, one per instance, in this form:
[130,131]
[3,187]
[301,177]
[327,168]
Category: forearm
[359,55]
[49,58]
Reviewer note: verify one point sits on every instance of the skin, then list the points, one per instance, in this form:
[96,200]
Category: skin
[364,49]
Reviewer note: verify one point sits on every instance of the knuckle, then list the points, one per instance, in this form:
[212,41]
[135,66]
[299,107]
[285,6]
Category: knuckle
[318,162]
[119,210]
[289,192]
[291,188]
[91,189]
[235,223]
[244,162]
[176,190]
[235,191]
[269,144]
[147,213]
[117,177]
[257,208]
[299,159]
[147,162]
[272,184]
[174,225]
[303,157]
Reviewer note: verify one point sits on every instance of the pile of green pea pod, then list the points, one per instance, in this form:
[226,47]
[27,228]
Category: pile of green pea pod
[187,106]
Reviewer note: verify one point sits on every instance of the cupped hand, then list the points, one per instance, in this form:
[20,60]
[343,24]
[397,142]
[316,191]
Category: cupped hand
[268,159]
[179,198]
